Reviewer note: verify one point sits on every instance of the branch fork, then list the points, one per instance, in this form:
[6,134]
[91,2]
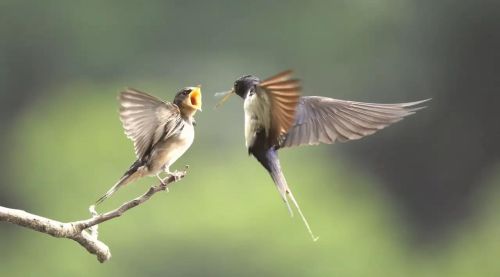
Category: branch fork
[85,232]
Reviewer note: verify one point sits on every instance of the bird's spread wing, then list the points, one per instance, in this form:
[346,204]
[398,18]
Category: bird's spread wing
[326,120]
[146,119]
[284,93]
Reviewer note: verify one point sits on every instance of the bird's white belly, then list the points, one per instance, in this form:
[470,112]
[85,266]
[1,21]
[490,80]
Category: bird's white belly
[257,116]
[172,149]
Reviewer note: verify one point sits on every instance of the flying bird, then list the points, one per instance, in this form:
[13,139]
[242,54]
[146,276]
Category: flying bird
[161,131]
[276,116]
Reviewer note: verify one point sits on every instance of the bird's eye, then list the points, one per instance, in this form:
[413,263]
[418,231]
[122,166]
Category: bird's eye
[186,92]
[251,91]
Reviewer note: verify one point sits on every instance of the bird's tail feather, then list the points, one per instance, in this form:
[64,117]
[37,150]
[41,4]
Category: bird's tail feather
[128,177]
[284,190]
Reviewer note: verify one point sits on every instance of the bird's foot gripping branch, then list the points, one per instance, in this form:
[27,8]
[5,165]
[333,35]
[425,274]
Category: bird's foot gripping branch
[84,231]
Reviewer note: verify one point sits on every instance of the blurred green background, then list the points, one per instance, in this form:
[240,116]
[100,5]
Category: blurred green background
[418,199]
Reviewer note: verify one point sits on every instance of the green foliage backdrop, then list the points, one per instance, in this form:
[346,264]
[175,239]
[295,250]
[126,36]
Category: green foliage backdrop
[63,64]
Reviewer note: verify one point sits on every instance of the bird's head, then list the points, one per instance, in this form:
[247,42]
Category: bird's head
[249,84]
[245,85]
[242,87]
[189,99]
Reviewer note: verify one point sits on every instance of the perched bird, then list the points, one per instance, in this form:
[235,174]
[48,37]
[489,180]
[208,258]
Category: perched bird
[276,116]
[161,131]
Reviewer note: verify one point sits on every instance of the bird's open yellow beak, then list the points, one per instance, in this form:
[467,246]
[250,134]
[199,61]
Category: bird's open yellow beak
[225,96]
[195,98]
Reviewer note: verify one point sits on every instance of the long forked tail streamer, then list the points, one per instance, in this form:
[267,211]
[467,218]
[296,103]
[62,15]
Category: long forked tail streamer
[282,186]
[290,195]
[290,211]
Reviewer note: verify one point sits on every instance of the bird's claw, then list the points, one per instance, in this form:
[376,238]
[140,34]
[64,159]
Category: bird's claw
[163,184]
[177,175]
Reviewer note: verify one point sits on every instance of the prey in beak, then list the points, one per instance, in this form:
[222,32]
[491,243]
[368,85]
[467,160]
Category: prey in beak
[225,96]
[277,117]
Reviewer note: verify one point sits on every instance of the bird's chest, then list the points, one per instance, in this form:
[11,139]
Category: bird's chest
[186,136]
[257,116]
[173,147]
[178,144]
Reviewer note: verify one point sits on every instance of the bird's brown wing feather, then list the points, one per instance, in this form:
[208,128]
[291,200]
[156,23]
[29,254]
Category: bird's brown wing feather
[284,94]
[326,120]
[146,119]
[282,76]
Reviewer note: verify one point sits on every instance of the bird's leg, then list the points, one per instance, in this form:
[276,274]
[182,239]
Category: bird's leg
[162,181]
[176,174]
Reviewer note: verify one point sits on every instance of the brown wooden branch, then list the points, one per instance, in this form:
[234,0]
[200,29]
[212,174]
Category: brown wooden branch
[83,231]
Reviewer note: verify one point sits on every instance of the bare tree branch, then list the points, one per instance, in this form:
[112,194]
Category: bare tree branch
[83,231]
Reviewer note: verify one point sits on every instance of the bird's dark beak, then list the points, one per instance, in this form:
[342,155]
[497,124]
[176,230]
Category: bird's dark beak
[195,98]
[225,96]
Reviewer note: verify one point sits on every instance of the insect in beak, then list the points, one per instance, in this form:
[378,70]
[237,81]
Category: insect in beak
[225,96]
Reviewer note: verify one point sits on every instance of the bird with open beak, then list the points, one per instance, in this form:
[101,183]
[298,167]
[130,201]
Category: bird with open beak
[276,117]
[161,131]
